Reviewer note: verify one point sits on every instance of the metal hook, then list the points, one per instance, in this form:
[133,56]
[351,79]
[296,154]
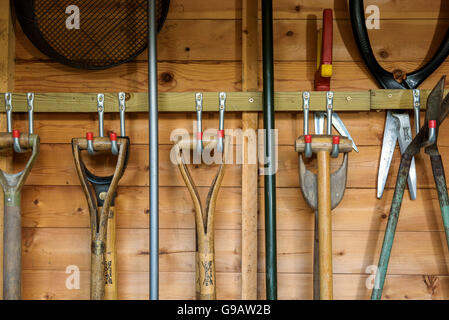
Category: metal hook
[16,141]
[308,147]
[100,108]
[417,108]
[329,107]
[305,106]
[335,146]
[122,108]
[8,108]
[199,125]
[90,143]
[30,103]
[221,123]
[114,145]
[432,134]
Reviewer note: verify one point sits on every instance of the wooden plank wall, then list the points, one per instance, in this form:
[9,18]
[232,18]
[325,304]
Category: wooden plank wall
[200,50]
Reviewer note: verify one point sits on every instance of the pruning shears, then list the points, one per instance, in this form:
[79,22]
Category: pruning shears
[437,110]
[397,126]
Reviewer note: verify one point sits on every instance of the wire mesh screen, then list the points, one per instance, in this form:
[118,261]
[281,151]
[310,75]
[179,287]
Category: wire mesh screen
[89,34]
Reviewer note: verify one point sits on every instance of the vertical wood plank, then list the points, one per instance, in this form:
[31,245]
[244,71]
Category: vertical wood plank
[249,171]
[7,51]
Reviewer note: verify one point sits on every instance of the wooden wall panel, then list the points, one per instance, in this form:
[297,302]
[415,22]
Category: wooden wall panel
[200,50]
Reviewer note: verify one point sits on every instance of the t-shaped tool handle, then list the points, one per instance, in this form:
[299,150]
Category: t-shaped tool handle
[324,57]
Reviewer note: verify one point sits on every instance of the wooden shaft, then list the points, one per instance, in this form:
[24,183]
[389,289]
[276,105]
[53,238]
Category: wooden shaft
[206,269]
[97,270]
[325,225]
[110,291]
[249,210]
[12,253]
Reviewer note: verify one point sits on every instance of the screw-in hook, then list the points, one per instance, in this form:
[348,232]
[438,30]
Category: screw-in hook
[432,134]
[335,146]
[16,142]
[114,145]
[417,108]
[221,133]
[100,108]
[90,143]
[305,106]
[308,147]
[199,125]
[30,104]
[329,107]
[122,108]
[8,108]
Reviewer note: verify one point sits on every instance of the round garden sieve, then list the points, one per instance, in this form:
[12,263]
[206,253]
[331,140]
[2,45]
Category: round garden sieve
[89,34]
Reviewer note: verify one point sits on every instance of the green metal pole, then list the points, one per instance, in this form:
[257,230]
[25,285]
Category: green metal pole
[392,223]
[440,181]
[270,161]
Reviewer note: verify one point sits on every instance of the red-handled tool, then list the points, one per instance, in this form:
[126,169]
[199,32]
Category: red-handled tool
[324,59]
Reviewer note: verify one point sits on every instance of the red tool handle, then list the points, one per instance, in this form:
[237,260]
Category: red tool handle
[324,72]
[326,48]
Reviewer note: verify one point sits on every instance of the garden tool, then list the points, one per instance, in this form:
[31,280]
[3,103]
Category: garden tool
[324,73]
[437,110]
[12,184]
[270,161]
[100,193]
[397,125]
[204,218]
[323,192]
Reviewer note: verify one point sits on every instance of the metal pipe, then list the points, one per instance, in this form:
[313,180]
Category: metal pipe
[270,161]
[154,153]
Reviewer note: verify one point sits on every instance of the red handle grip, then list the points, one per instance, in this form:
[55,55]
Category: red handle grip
[326,48]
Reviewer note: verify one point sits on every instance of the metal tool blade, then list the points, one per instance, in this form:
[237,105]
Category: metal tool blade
[341,128]
[388,146]
[319,122]
[404,139]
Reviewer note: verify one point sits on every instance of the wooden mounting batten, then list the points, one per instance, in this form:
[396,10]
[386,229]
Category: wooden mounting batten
[236,101]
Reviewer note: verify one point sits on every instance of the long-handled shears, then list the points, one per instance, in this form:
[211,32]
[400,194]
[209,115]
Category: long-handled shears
[437,110]
[397,126]
[324,73]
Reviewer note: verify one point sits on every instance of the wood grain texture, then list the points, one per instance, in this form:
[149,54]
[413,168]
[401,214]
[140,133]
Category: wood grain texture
[7,69]
[201,50]
[250,77]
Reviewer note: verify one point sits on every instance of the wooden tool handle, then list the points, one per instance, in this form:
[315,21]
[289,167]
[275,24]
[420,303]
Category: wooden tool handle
[206,285]
[12,252]
[325,225]
[97,270]
[110,291]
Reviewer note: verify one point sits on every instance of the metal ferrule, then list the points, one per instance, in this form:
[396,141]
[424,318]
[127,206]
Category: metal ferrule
[417,108]
[30,103]
[305,106]
[199,124]
[8,108]
[100,108]
[329,107]
[221,123]
[122,108]
[432,135]
[335,147]
[308,146]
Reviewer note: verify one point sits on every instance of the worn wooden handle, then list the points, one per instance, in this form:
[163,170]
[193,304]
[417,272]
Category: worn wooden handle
[97,270]
[206,273]
[110,291]
[325,225]
[12,252]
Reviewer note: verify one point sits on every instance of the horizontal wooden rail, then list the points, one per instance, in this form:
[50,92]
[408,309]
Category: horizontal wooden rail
[236,101]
